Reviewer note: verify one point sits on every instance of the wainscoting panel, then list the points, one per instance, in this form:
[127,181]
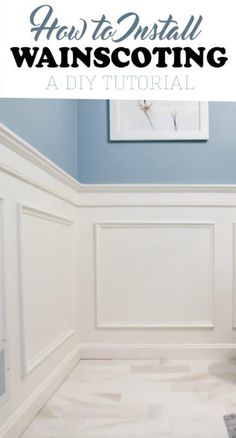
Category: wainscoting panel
[105,272]
[2,373]
[153,274]
[234,276]
[4,377]
[46,244]
[2,291]
[39,321]
[157,280]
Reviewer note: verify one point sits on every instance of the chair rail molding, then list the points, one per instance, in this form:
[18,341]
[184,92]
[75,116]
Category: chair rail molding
[25,150]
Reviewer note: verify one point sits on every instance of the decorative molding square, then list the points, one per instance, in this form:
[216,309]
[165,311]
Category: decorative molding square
[28,366]
[142,324]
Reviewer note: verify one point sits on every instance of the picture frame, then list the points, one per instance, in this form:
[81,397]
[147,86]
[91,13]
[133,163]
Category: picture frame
[145,120]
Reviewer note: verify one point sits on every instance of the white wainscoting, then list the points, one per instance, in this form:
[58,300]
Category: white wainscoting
[38,263]
[157,278]
[154,274]
[107,272]
[234,276]
[46,255]
[2,288]
[4,371]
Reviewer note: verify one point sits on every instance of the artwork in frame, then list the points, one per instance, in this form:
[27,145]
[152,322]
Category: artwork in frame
[140,120]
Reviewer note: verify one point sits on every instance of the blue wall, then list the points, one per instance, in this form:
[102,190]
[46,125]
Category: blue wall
[101,161]
[75,135]
[48,125]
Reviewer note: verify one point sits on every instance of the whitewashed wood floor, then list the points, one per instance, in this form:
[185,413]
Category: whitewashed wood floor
[140,399]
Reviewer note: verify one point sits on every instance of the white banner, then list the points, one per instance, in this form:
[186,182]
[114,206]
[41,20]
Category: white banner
[177,50]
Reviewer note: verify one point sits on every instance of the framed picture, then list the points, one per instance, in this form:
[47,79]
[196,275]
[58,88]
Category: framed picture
[137,120]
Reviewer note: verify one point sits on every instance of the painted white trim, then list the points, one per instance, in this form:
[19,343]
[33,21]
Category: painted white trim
[107,192]
[157,351]
[32,364]
[132,203]
[234,276]
[2,269]
[117,134]
[46,215]
[147,324]
[21,418]
[20,293]
[157,196]
[177,325]
[29,366]
[3,339]
[34,183]
[4,348]
[25,150]
[157,188]
[15,143]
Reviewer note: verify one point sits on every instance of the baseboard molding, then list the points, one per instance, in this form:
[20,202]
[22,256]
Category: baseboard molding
[32,364]
[21,418]
[158,351]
